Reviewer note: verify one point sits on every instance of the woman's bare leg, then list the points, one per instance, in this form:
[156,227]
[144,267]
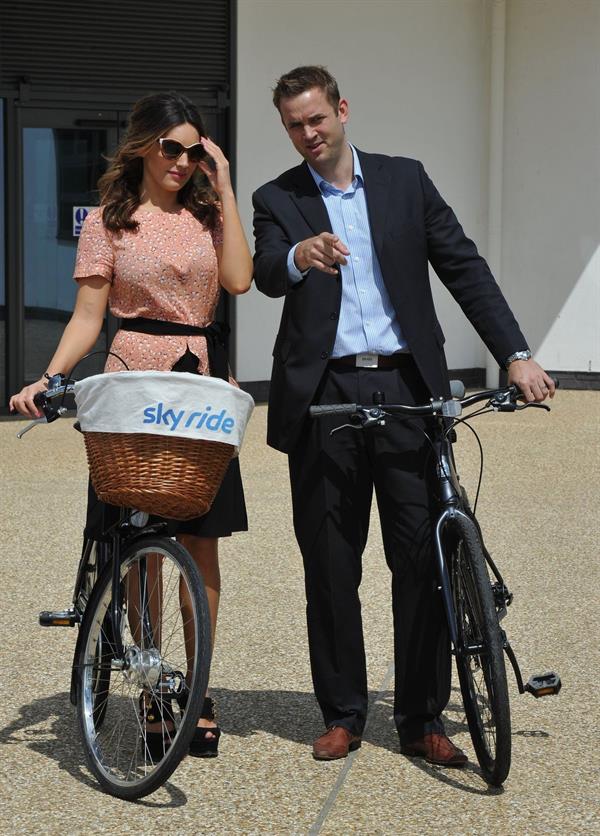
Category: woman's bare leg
[205,553]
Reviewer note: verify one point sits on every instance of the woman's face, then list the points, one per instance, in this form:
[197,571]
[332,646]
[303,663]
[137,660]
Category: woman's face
[171,175]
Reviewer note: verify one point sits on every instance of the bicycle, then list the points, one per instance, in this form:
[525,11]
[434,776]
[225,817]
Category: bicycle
[474,602]
[143,649]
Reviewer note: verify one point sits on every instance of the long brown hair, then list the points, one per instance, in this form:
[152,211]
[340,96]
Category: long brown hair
[152,117]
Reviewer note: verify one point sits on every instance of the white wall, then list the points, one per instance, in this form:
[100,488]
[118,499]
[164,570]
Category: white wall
[551,224]
[416,74]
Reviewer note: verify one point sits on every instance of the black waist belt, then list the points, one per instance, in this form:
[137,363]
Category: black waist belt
[216,336]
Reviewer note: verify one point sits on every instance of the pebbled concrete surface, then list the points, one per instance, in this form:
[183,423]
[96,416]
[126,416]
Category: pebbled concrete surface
[539,513]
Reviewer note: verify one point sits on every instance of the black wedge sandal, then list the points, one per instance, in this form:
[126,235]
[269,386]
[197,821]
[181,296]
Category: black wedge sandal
[156,711]
[203,746]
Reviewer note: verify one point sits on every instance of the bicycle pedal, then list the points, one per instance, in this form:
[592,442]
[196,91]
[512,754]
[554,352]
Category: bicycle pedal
[544,684]
[59,618]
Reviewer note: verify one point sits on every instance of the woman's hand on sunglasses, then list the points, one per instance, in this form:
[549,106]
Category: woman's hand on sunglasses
[216,167]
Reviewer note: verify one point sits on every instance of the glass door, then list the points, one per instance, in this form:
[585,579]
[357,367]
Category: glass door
[3,340]
[63,155]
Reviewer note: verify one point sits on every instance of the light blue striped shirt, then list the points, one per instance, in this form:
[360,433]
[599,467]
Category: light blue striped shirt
[367,321]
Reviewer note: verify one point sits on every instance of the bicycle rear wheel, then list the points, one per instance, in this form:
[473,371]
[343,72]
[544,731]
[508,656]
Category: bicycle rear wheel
[479,654]
[164,627]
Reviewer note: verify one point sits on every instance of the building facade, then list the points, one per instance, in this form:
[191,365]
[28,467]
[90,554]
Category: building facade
[498,98]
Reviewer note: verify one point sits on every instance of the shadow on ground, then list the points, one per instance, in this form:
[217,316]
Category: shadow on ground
[294,716]
[48,726]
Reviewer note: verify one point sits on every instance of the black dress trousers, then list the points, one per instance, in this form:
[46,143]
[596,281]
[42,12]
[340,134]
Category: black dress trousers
[332,478]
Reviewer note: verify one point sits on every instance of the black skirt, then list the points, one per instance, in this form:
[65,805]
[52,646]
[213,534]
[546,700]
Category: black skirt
[227,513]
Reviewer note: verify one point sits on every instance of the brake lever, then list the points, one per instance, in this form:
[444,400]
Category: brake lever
[537,405]
[346,426]
[31,425]
[44,419]
[366,418]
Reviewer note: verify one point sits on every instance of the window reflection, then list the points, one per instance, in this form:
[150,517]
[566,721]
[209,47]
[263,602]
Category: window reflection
[3,351]
[60,170]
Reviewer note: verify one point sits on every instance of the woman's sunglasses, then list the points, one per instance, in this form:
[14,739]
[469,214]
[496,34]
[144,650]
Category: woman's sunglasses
[171,149]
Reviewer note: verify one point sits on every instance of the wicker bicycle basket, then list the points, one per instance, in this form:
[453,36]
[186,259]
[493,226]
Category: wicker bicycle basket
[174,477]
[160,442]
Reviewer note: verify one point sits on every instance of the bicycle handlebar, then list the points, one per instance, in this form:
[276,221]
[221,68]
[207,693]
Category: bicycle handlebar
[504,400]
[58,387]
[332,409]
[445,407]
[44,400]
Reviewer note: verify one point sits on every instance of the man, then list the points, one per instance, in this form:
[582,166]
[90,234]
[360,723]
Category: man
[346,238]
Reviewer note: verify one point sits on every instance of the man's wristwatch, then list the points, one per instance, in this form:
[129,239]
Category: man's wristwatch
[518,355]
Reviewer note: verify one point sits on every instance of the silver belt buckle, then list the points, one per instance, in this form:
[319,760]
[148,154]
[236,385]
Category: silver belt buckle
[367,360]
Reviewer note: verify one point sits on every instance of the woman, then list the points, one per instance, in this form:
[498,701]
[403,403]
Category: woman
[166,237]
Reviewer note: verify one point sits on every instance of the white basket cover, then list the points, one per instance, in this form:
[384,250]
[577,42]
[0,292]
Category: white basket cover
[164,403]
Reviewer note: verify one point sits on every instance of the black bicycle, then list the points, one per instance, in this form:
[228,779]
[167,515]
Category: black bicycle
[474,592]
[142,656]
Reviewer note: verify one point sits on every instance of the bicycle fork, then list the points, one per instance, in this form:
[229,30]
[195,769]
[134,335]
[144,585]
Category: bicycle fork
[445,588]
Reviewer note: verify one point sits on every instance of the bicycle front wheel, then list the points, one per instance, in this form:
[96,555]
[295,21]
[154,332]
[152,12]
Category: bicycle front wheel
[163,623]
[479,654]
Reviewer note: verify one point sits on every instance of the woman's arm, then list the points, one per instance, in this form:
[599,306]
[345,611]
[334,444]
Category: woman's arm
[79,337]
[235,261]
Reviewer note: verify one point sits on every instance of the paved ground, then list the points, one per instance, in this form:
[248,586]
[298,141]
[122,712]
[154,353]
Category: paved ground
[539,511]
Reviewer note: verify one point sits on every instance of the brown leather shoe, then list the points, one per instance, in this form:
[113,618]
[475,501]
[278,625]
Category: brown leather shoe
[435,748]
[335,743]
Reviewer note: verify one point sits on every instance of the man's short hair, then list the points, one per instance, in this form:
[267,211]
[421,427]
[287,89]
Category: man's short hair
[305,78]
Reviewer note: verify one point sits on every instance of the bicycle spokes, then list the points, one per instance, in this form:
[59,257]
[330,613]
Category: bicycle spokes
[135,701]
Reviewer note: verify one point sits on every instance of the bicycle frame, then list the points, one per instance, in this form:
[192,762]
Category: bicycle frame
[452,501]
[123,532]
[452,505]
[119,606]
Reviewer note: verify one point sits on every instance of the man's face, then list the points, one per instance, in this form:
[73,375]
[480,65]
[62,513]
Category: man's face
[314,127]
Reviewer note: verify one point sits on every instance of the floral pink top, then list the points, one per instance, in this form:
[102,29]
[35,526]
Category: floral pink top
[166,270]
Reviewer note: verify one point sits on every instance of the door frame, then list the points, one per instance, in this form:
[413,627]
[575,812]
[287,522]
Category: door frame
[18,105]
[29,115]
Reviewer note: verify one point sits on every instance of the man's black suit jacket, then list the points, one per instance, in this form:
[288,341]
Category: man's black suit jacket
[411,225]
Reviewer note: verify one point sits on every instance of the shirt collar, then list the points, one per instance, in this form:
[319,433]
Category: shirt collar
[326,188]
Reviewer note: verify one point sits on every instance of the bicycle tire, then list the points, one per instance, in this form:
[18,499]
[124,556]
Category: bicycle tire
[103,657]
[481,673]
[101,674]
[153,572]
[94,557]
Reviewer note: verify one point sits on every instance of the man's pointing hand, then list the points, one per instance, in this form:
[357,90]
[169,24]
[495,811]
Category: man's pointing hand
[324,251]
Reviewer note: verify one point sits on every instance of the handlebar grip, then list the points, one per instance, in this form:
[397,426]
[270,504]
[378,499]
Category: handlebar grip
[336,409]
[517,391]
[457,389]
